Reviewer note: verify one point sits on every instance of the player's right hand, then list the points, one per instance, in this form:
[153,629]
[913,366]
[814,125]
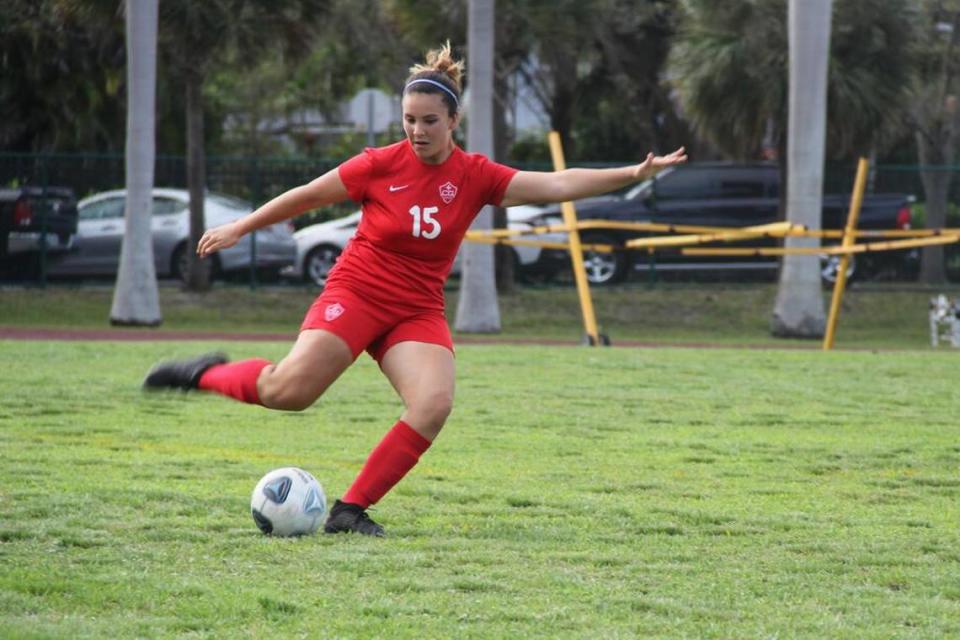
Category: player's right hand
[222,237]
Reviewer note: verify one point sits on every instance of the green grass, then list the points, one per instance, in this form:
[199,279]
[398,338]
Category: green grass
[872,316]
[575,493]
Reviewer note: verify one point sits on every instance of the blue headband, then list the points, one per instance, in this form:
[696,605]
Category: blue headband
[436,84]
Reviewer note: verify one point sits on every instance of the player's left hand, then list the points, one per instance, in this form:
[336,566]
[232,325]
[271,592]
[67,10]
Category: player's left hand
[222,237]
[653,163]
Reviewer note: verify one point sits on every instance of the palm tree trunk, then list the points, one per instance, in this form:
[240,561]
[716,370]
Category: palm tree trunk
[937,140]
[503,254]
[799,309]
[937,147]
[477,309]
[198,277]
[563,75]
[936,188]
[135,296]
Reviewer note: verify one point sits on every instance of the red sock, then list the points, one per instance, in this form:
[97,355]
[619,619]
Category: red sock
[389,461]
[235,379]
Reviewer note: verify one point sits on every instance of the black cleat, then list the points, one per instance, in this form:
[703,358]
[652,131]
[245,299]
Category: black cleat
[346,518]
[181,374]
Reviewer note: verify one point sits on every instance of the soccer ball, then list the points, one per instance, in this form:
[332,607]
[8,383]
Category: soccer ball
[288,502]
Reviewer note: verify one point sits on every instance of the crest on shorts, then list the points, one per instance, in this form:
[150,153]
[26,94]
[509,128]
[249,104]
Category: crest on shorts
[448,191]
[333,311]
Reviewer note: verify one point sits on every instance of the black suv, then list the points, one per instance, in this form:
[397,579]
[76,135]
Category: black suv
[727,195]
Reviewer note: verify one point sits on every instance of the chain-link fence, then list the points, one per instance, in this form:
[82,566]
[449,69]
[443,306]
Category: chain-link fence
[35,252]
[256,180]
[252,179]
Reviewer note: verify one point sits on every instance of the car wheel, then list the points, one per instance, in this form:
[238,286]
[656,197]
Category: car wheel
[830,267]
[179,264]
[319,262]
[603,268]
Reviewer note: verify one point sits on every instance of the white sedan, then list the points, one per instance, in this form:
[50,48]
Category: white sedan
[319,246]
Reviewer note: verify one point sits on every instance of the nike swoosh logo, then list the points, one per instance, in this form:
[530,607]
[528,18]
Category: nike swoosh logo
[393,188]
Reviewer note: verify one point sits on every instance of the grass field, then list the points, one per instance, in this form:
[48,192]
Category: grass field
[873,316]
[701,493]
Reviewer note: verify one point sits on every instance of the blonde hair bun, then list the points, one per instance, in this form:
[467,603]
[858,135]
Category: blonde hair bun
[441,61]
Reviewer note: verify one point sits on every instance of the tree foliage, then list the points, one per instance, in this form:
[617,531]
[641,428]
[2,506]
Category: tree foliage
[196,37]
[593,67]
[61,77]
[354,47]
[729,66]
[598,67]
[935,116]
[626,109]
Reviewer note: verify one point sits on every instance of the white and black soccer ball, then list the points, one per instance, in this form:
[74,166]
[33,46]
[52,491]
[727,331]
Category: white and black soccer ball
[288,502]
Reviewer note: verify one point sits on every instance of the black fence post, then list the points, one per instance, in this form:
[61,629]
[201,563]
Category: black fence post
[651,269]
[257,196]
[44,208]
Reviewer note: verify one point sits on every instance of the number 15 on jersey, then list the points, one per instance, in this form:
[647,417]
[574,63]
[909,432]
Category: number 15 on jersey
[424,225]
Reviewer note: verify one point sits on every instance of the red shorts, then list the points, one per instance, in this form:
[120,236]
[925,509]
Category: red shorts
[374,327]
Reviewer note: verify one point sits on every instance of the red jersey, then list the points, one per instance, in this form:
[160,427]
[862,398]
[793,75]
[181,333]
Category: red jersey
[414,217]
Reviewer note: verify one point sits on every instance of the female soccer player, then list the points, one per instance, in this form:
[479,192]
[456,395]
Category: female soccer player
[385,294]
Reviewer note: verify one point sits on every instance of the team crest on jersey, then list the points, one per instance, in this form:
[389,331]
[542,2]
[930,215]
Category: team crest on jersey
[448,191]
[333,311]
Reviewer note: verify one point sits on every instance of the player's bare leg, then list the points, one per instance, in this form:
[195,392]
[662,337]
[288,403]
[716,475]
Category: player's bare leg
[316,360]
[423,375]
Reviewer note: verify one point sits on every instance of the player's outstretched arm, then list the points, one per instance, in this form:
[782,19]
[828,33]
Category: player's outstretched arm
[574,184]
[327,189]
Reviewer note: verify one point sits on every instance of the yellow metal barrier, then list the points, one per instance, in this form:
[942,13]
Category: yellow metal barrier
[890,245]
[776,229]
[859,186]
[885,233]
[576,250]
[694,234]
[798,231]
[543,244]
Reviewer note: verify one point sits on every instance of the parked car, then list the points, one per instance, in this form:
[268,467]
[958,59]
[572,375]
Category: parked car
[319,246]
[35,221]
[728,195]
[100,232]
[536,262]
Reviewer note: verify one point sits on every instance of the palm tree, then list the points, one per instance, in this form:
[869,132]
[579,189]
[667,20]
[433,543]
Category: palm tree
[729,65]
[477,309]
[936,117]
[197,36]
[799,311]
[135,297]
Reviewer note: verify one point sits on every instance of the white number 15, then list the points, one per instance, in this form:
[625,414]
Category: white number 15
[423,219]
